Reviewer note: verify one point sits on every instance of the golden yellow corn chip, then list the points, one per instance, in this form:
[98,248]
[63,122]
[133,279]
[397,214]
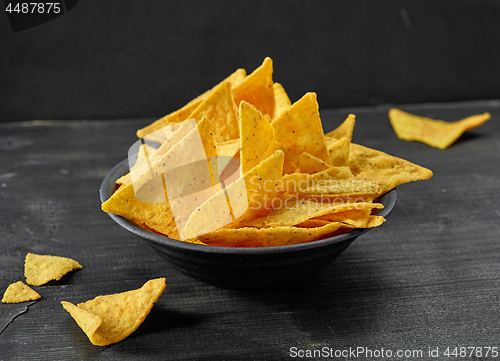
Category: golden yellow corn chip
[345,129]
[312,223]
[281,100]
[341,188]
[40,269]
[256,136]
[300,130]
[147,156]
[267,237]
[310,164]
[221,112]
[436,133]
[356,215]
[182,114]
[156,215]
[329,141]
[292,211]
[145,151]
[249,197]
[339,152]
[290,183]
[19,292]
[385,170]
[230,148]
[257,88]
[111,318]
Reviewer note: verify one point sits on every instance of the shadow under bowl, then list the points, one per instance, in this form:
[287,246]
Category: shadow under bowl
[243,268]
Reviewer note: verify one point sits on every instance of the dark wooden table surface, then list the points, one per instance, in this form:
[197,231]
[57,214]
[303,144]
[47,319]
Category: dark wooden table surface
[428,278]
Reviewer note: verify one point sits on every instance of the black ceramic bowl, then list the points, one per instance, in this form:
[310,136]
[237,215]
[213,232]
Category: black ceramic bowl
[243,268]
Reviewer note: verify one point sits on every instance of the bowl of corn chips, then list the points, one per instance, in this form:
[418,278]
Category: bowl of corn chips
[242,189]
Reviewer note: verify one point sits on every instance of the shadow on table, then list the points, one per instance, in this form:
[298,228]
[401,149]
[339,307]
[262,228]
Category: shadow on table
[345,297]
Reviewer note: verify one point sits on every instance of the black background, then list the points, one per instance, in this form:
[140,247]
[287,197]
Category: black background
[125,59]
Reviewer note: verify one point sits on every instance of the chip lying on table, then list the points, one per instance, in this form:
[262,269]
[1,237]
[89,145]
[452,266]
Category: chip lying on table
[436,133]
[111,318]
[243,166]
[19,292]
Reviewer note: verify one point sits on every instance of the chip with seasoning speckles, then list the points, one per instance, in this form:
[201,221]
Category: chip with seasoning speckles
[19,292]
[111,318]
[436,133]
[256,137]
[40,269]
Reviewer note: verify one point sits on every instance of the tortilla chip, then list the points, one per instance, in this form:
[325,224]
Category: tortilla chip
[221,112]
[341,188]
[267,237]
[292,211]
[257,88]
[356,215]
[39,269]
[111,318]
[436,133]
[156,215]
[329,141]
[345,129]
[247,198]
[19,292]
[256,136]
[230,148]
[384,169]
[183,113]
[310,164]
[281,100]
[300,130]
[145,151]
[339,152]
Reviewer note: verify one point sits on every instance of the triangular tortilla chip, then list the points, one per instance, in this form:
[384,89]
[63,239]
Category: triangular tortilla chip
[436,133]
[182,114]
[293,211]
[281,100]
[300,130]
[87,321]
[19,292]
[111,318]
[329,141]
[145,151]
[358,215]
[156,215]
[310,164]
[248,197]
[230,148]
[256,136]
[384,169]
[257,88]
[339,152]
[345,129]
[267,237]
[40,269]
[221,112]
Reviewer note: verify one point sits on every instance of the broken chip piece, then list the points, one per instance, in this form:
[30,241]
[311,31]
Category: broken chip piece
[19,292]
[40,269]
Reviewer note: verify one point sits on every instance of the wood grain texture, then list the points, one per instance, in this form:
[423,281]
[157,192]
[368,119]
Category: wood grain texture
[428,277]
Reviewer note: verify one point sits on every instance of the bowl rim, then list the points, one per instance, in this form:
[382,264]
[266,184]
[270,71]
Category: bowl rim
[389,200]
